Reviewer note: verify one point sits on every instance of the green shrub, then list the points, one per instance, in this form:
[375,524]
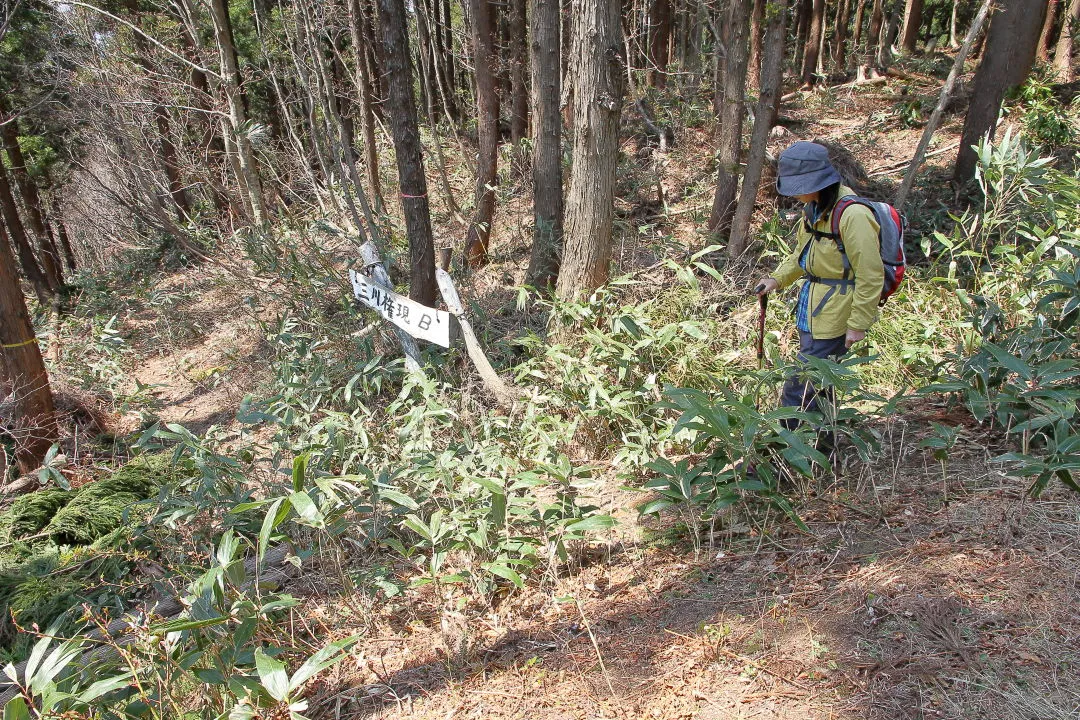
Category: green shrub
[99,508]
[29,514]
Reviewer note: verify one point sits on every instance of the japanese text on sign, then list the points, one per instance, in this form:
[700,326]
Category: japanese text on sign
[418,320]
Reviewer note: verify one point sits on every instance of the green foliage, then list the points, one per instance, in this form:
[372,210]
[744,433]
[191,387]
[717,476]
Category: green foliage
[745,452]
[30,514]
[101,507]
[63,548]
[1047,121]
[1019,368]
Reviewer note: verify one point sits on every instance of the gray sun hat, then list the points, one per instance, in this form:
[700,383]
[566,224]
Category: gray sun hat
[804,168]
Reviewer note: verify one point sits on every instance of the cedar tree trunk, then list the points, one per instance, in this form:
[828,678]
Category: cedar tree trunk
[598,78]
[410,161]
[731,117]
[1003,51]
[33,424]
[547,148]
[485,62]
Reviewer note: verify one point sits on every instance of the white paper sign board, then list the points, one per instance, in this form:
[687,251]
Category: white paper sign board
[418,320]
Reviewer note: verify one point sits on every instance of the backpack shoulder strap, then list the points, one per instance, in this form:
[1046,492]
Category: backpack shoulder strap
[841,205]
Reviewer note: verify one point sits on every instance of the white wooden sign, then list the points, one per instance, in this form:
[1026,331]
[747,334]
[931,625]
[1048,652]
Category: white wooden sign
[418,320]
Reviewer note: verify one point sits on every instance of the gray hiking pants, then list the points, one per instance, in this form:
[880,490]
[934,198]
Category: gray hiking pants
[798,391]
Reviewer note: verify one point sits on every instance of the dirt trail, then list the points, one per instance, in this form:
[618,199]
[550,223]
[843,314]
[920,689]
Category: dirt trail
[896,606]
[198,350]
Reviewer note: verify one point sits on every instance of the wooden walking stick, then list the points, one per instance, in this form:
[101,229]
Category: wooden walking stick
[763,305]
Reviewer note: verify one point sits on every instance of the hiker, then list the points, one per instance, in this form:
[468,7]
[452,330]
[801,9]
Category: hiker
[838,302]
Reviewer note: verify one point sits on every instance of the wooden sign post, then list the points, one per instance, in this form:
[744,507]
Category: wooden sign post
[412,320]
[420,321]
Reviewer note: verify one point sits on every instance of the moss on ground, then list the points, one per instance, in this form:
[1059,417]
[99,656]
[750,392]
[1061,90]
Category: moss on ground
[29,514]
[62,549]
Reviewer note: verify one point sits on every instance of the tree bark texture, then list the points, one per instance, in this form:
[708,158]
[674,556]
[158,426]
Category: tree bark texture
[870,53]
[34,422]
[410,161]
[486,62]
[248,175]
[9,210]
[804,9]
[547,148]
[857,30]
[598,77]
[731,117]
[843,15]
[771,77]
[366,94]
[1027,28]
[913,13]
[757,19]
[1046,38]
[1002,52]
[51,264]
[1063,51]
[519,86]
[813,42]
[659,38]
[62,234]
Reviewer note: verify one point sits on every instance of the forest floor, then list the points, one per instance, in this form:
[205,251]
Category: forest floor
[920,590]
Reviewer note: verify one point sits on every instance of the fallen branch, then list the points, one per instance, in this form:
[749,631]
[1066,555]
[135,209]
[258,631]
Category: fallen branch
[890,169]
[504,394]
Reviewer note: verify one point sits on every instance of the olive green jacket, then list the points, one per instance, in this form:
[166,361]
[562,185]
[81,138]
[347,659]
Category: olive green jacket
[833,310]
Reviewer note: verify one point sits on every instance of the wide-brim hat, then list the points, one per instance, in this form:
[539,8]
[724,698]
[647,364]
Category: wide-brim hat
[804,168]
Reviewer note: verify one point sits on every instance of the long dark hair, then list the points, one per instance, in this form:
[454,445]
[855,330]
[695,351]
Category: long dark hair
[821,207]
[827,198]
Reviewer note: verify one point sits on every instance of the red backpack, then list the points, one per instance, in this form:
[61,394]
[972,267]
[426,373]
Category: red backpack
[890,239]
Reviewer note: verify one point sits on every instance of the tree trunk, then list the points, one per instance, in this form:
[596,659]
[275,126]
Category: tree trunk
[822,53]
[1003,52]
[1028,27]
[410,161]
[598,78]
[1042,53]
[248,174]
[547,147]
[34,421]
[771,77]
[450,62]
[843,14]
[62,233]
[804,9]
[857,33]
[731,118]
[425,68]
[443,50]
[757,19]
[519,86]
[213,143]
[659,37]
[870,53]
[50,254]
[912,24]
[485,62]
[943,99]
[1063,51]
[10,212]
[952,23]
[367,101]
[813,42]
[166,150]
